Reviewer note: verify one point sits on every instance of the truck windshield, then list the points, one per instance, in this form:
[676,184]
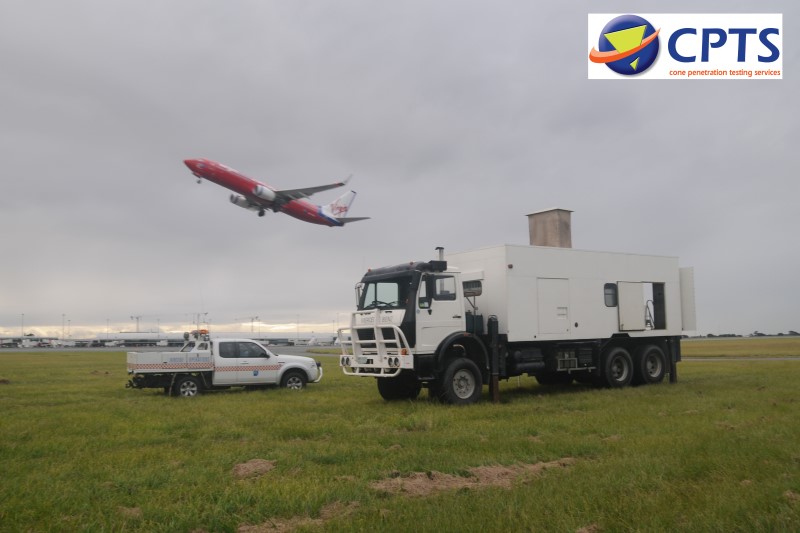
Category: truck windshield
[384,294]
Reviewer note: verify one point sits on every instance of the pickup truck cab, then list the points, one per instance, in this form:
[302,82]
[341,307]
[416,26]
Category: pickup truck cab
[204,364]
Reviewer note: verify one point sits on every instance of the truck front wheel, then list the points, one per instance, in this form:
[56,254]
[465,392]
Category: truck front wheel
[462,382]
[187,387]
[403,387]
[618,368]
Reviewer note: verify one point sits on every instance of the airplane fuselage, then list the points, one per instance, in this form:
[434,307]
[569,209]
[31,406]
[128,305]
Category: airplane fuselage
[259,196]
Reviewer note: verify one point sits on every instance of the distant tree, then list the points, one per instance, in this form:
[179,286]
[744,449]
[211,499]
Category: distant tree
[792,332]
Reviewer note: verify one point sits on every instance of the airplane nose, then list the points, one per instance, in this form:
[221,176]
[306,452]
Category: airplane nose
[189,163]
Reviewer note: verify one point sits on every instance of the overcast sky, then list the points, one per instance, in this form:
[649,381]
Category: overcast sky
[456,118]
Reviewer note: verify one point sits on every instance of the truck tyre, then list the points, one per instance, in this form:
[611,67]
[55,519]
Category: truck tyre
[618,368]
[187,387]
[650,365]
[403,387]
[462,383]
[294,379]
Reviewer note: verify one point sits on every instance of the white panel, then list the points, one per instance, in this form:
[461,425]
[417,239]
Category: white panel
[510,290]
[522,311]
[688,315]
[553,302]
[631,306]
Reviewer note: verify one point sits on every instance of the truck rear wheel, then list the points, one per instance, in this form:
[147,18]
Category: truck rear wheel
[403,387]
[294,379]
[618,368]
[462,382]
[650,365]
[188,387]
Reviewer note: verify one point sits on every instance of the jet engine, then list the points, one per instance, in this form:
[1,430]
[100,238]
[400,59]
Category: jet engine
[241,201]
[265,193]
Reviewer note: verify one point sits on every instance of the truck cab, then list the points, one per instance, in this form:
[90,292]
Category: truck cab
[406,310]
[422,299]
[408,322]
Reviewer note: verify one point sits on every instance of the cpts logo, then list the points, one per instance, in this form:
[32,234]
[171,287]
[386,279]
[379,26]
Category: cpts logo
[686,46]
[628,45]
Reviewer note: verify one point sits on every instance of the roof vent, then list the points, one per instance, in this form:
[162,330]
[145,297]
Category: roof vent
[551,227]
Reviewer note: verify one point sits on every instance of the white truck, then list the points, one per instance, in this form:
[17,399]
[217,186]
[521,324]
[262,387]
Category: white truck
[557,314]
[205,363]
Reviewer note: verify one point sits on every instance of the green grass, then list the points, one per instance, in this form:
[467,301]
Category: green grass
[78,452]
[742,347]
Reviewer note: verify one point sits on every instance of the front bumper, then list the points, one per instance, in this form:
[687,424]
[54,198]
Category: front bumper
[374,351]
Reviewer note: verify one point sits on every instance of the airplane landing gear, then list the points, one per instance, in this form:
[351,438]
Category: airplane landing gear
[261,212]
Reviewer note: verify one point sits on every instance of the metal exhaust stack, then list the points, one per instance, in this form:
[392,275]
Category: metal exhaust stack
[551,227]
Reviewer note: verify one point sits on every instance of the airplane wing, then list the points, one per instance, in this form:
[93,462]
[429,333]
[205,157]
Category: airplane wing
[345,220]
[295,194]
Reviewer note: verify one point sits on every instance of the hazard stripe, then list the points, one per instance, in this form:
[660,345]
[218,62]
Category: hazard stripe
[246,368]
[170,366]
[200,366]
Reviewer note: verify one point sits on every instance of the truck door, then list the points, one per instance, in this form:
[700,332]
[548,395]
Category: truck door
[553,305]
[226,363]
[631,306]
[256,366]
[439,310]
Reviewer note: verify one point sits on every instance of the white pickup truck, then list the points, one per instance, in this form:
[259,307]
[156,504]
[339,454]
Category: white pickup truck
[204,363]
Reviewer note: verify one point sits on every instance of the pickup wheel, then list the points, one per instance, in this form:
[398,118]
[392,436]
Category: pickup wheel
[187,387]
[403,387]
[650,365]
[462,383]
[618,368]
[294,379]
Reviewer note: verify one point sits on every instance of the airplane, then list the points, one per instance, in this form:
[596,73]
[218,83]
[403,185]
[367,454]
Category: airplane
[259,197]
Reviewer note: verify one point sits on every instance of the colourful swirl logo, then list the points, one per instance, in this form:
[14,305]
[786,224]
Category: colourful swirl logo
[628,45]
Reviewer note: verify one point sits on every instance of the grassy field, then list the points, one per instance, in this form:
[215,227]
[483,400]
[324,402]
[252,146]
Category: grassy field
[742,347]
[715,452]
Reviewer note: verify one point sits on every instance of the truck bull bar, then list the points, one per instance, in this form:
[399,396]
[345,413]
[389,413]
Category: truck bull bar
[373,349]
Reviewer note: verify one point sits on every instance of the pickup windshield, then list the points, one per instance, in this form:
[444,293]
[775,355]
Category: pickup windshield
[384,294]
